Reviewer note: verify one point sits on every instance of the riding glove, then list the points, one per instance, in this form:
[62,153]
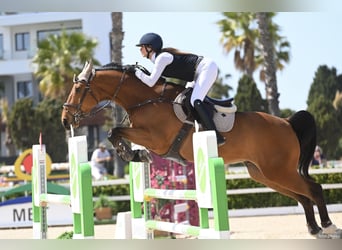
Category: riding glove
[138,73]
[130,68]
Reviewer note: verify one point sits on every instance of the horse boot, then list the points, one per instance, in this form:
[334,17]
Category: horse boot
[207,122]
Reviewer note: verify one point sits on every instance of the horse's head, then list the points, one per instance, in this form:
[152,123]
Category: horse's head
[81,100]
[94,90]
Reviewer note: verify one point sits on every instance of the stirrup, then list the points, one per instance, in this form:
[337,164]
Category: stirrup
[220,139]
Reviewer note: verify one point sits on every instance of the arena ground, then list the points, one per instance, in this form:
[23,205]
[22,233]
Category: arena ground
[257,227]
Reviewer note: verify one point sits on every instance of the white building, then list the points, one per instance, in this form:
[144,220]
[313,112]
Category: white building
[19,34]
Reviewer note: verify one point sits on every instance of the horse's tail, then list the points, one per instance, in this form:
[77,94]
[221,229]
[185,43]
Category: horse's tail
[303,123]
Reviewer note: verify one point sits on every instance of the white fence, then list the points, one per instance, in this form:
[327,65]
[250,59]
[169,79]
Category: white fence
[241,173]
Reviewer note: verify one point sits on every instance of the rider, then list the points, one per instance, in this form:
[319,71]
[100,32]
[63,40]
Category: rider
[170,62]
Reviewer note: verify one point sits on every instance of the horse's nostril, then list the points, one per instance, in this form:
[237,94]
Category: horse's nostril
[66,124]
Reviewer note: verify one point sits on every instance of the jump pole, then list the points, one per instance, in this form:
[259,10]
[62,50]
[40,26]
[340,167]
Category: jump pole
[210,193]
[80,198]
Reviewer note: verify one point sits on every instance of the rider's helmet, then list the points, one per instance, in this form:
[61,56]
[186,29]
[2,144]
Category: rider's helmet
[152,39]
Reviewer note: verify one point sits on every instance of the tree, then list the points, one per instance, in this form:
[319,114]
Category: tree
[220,89]
[320,102]
[241,34]
[326,83]
[284,113]
[59,58]
[117,36]
[238,35]
[11,151]
[270,78]
[248,97]
[47,119]
[22,124]
[26,122]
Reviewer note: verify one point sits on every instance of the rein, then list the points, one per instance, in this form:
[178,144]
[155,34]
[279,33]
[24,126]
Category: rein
[78,114]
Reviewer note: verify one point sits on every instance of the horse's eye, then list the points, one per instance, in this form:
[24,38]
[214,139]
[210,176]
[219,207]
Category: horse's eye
[77,90]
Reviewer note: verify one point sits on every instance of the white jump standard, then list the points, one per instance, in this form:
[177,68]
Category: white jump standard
[80,198]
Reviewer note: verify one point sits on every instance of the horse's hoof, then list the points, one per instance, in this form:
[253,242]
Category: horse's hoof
[333,232]
[330,232]
[321,235]
[145,156]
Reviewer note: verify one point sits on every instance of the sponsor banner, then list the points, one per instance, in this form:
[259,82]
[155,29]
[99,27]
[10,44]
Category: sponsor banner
[18,213]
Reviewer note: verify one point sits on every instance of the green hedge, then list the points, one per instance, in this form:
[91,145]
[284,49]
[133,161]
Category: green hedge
[332,196]
[274,199]
[115,190]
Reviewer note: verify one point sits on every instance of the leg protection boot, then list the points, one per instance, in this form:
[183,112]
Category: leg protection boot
[207,122]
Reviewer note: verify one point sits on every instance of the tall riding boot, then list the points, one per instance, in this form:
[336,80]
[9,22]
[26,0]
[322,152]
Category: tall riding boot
[207,122]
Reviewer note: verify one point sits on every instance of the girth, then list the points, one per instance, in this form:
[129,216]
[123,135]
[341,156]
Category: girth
[173,153]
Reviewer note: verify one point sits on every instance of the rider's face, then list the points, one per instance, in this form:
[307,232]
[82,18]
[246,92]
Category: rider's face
[143,50]
[146,51]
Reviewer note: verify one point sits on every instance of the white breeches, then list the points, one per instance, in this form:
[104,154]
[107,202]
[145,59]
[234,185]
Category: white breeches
[205,76]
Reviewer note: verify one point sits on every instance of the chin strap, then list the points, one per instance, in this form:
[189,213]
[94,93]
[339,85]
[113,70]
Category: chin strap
[149,51]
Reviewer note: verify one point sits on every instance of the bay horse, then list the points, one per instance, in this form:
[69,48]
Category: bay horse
[276,151]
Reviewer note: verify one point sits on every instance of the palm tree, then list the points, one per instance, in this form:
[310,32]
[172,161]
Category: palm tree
[270,78]
[58,58]
[117,36]
[240,32]
[239,36]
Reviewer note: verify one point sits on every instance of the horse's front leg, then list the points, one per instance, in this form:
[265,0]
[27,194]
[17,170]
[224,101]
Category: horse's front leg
[124,150]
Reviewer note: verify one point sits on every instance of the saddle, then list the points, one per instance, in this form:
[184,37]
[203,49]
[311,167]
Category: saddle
[221,111]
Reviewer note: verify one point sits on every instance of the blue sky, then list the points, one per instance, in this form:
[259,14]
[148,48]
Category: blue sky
[315,39]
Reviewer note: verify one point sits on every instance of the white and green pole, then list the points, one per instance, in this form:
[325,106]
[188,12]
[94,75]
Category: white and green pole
[80,198]
[210,183]
[39,186]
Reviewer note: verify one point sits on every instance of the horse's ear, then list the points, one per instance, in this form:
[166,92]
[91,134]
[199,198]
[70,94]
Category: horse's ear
[90,63]
[88,66]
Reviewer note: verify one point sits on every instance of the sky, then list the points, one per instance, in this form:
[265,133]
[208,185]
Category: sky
[315,39]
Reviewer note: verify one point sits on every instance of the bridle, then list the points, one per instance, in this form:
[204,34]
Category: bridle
[78,114]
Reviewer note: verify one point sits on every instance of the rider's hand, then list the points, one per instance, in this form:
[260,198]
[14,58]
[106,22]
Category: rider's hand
[131,68]
[138,73]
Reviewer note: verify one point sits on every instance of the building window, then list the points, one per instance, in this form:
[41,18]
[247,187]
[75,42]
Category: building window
[22,41]
[43,34]
[1,46]
[24,89]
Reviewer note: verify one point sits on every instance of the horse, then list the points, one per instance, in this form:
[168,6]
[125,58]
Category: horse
[276,151]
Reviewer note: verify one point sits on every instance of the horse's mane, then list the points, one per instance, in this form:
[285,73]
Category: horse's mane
[112,66]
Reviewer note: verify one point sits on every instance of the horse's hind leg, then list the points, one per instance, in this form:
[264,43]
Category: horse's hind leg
[307,204]
[317,196]
[304,186]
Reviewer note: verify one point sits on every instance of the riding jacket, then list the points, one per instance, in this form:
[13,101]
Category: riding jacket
[187,67]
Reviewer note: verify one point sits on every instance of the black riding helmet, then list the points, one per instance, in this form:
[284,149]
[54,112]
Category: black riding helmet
[152,39]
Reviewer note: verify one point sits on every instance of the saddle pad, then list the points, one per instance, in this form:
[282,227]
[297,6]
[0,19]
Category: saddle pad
[223,117]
